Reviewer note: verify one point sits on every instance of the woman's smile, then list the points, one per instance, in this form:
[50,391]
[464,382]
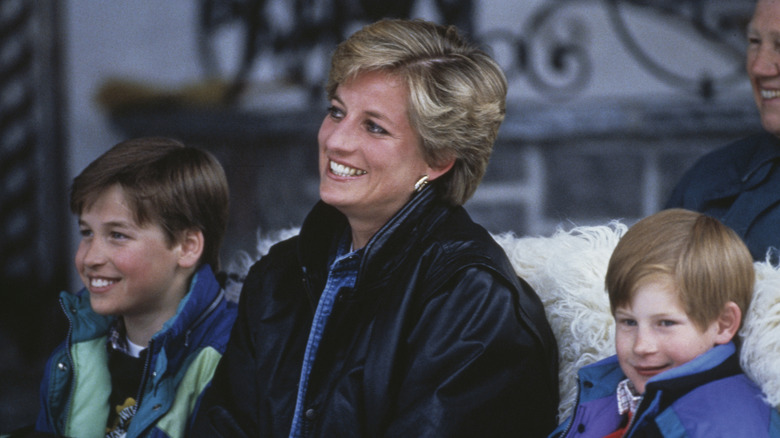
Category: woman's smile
[344,170]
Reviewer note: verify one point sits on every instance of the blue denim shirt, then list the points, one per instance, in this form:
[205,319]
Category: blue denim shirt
[343,273]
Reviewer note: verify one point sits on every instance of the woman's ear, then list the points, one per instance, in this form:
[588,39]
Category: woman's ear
[440,169]
[728,323]
[191,247]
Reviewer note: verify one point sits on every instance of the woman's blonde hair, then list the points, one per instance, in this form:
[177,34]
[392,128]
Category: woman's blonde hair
[457,93]
[706,261]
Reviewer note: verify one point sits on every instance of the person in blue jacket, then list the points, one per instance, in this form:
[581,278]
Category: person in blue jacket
[679,283]
[740,183]
[152,322]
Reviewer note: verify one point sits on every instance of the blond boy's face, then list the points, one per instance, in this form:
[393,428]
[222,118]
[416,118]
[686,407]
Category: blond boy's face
[654,334]
[128,269]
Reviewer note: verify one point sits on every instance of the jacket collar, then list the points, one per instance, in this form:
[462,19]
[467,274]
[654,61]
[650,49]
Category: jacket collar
[705,361]
[740,166]
[203,298]
[325,225]
[759,164]
[392,243]
[721,359]
[719,362]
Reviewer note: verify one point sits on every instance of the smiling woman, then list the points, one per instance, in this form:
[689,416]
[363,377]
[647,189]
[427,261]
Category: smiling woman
[392,313]
[368,138]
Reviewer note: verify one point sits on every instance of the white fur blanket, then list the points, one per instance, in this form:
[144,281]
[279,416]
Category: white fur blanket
[567,270]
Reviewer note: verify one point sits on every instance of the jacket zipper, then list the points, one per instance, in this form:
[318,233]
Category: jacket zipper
[574,413]
[144,378]
[212,307]
[633,417]
[147,363]
[71,365]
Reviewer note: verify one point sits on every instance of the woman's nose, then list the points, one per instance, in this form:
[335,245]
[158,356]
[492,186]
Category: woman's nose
[340,136]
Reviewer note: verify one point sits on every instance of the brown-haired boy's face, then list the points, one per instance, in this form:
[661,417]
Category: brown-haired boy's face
[128,269]
[654,333]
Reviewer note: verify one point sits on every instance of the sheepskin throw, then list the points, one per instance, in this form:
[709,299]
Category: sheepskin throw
[760,355]
[567,270]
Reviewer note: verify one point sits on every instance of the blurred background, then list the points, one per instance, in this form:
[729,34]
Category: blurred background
[609,102]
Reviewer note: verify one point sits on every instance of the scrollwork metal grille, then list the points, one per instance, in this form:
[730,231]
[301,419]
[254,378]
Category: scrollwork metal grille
[548,50]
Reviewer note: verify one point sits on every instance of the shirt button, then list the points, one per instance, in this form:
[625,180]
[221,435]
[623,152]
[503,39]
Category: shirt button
[588,384]
[156,407]
[62,367]
[311,414]
[581,428]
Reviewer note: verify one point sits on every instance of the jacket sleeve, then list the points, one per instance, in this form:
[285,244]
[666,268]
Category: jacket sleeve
[227,407]
[473,367]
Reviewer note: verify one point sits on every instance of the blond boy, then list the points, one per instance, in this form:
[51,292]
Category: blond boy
[679,285]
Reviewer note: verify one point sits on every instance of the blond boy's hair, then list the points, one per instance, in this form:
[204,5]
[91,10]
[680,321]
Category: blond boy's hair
[707,262]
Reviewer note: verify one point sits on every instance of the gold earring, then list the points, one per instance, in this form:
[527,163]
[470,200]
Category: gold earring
[421,183]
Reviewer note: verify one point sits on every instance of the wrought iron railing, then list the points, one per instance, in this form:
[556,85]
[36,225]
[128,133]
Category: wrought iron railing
[547,49]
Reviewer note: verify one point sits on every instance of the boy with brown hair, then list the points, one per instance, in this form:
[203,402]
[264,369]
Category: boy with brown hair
[679,285]
[152,322]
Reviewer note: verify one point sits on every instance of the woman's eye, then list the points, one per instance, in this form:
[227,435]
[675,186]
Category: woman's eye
[335,112]
[85,232]
[627,322]
[666,323]
[374,128]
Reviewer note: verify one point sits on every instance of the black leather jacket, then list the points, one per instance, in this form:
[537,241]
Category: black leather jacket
[439,337]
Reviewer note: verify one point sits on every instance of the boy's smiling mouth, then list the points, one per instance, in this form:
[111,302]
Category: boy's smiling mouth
[650,370]
[100,282]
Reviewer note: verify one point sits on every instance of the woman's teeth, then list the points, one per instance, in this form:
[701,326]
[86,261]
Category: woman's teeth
[342,170]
